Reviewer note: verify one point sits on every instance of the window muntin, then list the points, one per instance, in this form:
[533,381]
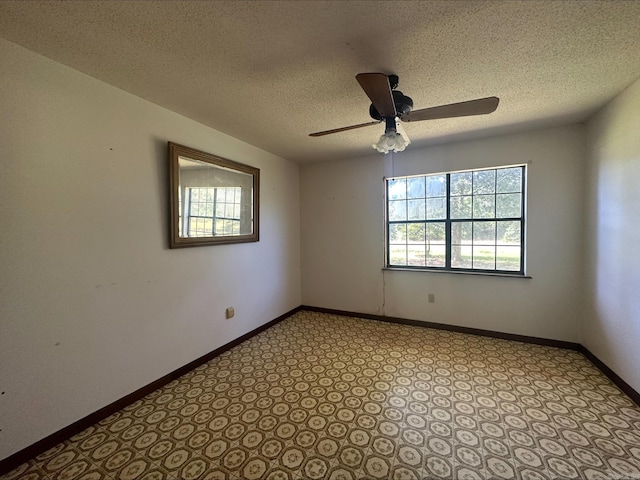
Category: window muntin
[460,221]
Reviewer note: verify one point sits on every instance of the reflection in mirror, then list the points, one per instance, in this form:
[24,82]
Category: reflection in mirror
[213,200]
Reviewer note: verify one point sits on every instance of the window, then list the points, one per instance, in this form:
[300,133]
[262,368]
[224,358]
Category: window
[458,221]
[213,211]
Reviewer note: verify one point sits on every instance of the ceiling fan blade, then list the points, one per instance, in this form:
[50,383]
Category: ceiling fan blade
[343,129]
[480,106]
[377,88]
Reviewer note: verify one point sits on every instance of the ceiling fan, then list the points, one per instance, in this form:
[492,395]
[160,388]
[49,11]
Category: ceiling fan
[390,105]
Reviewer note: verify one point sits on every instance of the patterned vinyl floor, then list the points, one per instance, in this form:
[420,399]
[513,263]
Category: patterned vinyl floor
[322,396]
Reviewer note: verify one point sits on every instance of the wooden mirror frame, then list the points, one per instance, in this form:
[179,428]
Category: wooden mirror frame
[175,240]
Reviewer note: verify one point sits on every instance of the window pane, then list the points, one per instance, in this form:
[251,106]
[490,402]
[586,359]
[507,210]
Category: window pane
[509,233]
[196,227]
[509,180]
[416,255]
[508,258]
[397,189]
[508,205]
[461,183]
[436,208]
[484,181]
[398,254]
[461,232]
[484,233]
[195,195]
[461,207]
[416,233]
[416,209]
[436,232]
[484,257]
[228,211]
[436,255]
[221,194]
[484,206]
[437,186]
[461,256]
[219,210]
[397,233]
[397,210]
[415,187]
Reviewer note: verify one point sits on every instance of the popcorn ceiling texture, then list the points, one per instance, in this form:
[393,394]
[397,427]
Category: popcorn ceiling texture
[323,396]
[270,73]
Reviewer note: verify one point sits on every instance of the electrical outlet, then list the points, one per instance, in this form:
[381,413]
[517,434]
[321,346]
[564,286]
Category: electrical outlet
[432,298]
[230,312]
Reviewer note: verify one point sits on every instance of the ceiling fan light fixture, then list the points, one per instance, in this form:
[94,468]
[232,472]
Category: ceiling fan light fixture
[391,141]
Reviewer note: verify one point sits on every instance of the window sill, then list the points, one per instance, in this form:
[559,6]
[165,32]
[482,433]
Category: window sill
[484,274]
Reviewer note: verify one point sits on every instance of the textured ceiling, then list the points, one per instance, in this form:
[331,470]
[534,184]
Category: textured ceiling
[271,72]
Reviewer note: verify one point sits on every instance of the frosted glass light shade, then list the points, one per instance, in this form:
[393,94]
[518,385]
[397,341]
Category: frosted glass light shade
[391,141]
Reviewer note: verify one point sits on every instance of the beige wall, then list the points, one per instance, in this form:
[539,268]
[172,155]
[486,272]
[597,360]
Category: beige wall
[93,304]
[343,238]
[611,327]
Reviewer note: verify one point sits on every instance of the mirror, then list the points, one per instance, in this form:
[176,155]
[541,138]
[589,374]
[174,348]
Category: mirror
[213,200]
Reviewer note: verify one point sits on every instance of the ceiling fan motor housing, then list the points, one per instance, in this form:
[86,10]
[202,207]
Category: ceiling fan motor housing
[402,103]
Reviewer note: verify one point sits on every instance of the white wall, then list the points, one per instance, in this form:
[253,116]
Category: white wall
[343,238]
[93,304]
[612,254]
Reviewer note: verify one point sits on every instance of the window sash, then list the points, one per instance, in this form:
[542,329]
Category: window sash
[450,222]
[230,225]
